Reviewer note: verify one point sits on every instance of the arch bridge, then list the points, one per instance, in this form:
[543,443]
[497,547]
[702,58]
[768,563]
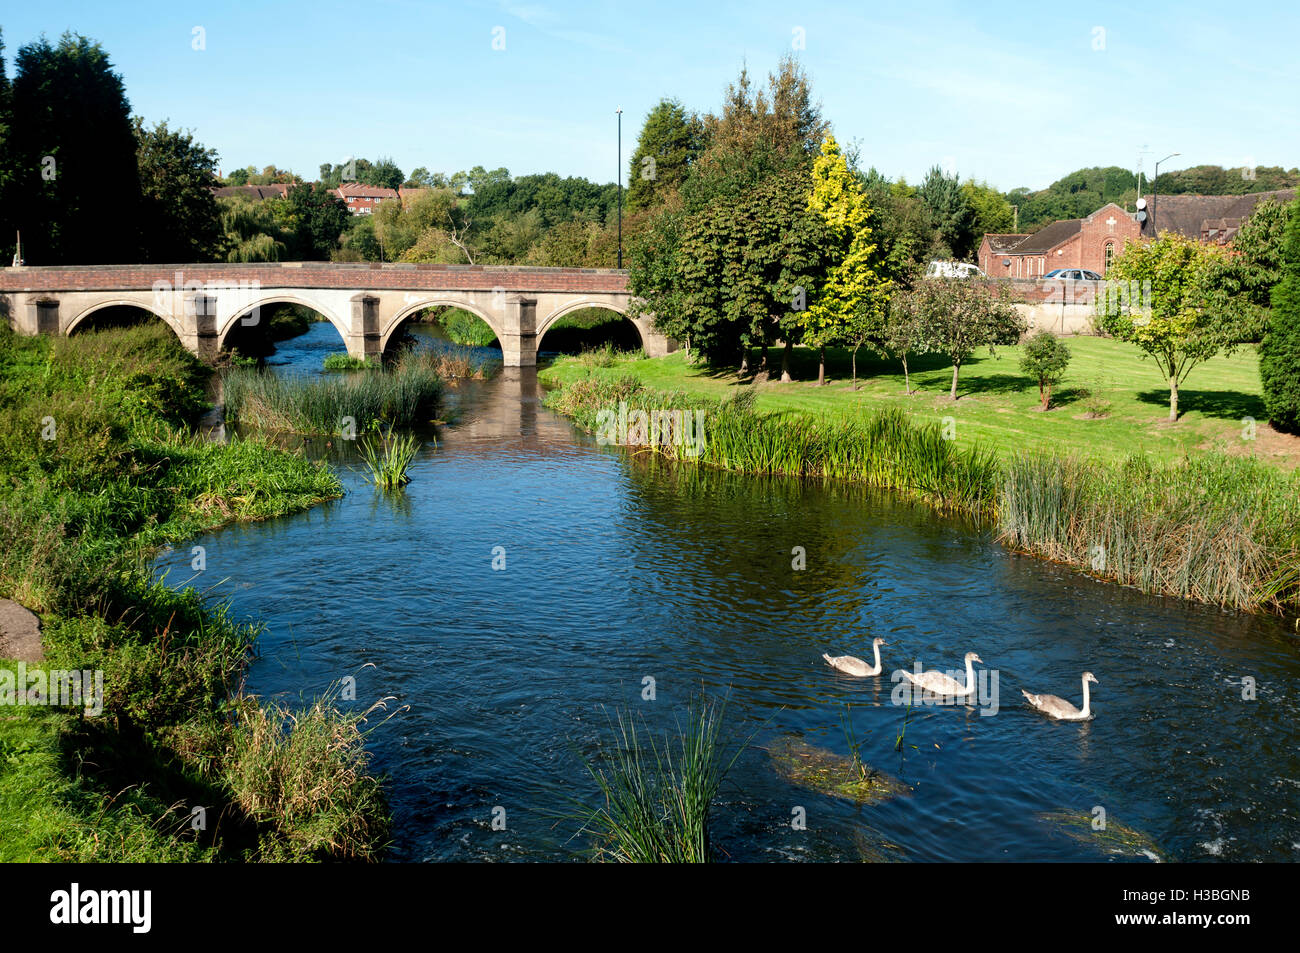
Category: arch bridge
[204,303]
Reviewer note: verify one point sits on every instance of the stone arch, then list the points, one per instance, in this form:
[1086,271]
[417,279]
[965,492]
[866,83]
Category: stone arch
[438,301]
[603,304]
[148,307]
[283,297]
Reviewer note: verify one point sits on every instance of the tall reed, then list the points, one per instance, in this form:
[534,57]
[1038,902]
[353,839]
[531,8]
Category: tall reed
[658,796]
[388,463]
[404,396]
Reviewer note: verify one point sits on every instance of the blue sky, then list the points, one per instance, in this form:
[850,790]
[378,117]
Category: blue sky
[1015,94]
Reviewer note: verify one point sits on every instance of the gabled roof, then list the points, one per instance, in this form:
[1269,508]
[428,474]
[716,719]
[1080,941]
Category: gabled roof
[1186,214]
[999,243]
[1048,237]
[357,190]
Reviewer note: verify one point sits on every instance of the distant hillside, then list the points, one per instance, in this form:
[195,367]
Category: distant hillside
[1086,190]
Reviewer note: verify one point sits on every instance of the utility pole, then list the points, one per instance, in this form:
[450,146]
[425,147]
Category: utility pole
[1155,192]
[620,185]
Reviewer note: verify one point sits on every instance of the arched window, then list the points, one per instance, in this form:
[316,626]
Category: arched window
[1110,256]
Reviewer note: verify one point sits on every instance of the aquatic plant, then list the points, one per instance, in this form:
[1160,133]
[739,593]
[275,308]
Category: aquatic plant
[404,396]
[387,463]
[658,796]
[829,773]
[341,361]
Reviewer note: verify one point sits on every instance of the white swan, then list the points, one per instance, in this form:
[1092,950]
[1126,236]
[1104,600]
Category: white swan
[851,665]
[938,683]
[1061,709]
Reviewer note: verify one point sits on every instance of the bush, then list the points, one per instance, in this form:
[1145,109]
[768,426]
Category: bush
[1044,359]
[1279,352]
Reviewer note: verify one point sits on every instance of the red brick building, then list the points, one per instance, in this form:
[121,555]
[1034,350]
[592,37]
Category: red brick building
[1090,243]
[363,199]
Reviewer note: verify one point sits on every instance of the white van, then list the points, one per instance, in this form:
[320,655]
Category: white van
[953,269]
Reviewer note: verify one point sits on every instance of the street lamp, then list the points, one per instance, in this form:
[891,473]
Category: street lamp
[1155,192]
[620,185]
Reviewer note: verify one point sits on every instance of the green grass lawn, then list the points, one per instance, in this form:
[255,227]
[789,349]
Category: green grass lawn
[998,403]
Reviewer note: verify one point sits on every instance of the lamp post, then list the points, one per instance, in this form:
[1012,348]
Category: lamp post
[620,185]
[1155,192]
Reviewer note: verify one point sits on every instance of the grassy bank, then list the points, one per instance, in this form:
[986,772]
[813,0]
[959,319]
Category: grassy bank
[1210,526]
[1111,404]
[98,467]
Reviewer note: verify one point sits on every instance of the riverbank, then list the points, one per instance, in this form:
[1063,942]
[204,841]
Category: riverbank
[1112,403]
[1211,527]
[166,759]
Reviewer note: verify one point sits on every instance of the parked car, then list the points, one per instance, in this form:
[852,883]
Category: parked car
[1072,274]
[953,269]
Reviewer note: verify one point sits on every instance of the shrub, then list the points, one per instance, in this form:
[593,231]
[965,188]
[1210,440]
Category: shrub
[1279,352]
[1045,358]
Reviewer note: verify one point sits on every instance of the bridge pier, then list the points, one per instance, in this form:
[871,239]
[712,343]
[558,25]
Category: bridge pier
[518,338]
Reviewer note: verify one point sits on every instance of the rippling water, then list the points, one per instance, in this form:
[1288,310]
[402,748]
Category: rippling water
[618,569]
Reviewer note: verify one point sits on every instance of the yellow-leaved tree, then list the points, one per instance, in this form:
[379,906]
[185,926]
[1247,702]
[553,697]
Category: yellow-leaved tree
[849,307]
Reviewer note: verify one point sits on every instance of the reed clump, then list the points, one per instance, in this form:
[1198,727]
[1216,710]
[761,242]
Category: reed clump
[388,462]
[658,795]
[404,396]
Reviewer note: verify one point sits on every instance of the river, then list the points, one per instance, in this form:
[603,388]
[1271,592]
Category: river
[618,569]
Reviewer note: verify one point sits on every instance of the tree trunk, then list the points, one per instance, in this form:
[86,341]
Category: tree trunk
[762,366]
[855,368]
[744,359]
[821,366]
[785,363]
[955,369]
[1173,399]
[1045,395]
[907,379]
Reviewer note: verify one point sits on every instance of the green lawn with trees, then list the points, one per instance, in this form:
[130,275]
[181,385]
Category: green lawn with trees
[1109,402]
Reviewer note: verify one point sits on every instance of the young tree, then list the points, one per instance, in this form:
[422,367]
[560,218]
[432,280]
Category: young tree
[1172,307]
[960,315]
[849,306]
[908,330]
[1279,353]
[1045,359]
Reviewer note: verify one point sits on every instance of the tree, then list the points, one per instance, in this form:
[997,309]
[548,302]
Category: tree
[1254,267]
[908,330]
[849,306]
[179,220]
[315,218]
[73,147]
[7,169]
[950,214]
[726,278]
[250,231]
[1279,352]
[959,315]
[669,143]
[1045,359]
[990,212]
[1164,298]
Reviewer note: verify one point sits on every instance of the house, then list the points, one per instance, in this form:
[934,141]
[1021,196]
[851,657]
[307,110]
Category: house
[1207,218]
[363,199]
[1091,243]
